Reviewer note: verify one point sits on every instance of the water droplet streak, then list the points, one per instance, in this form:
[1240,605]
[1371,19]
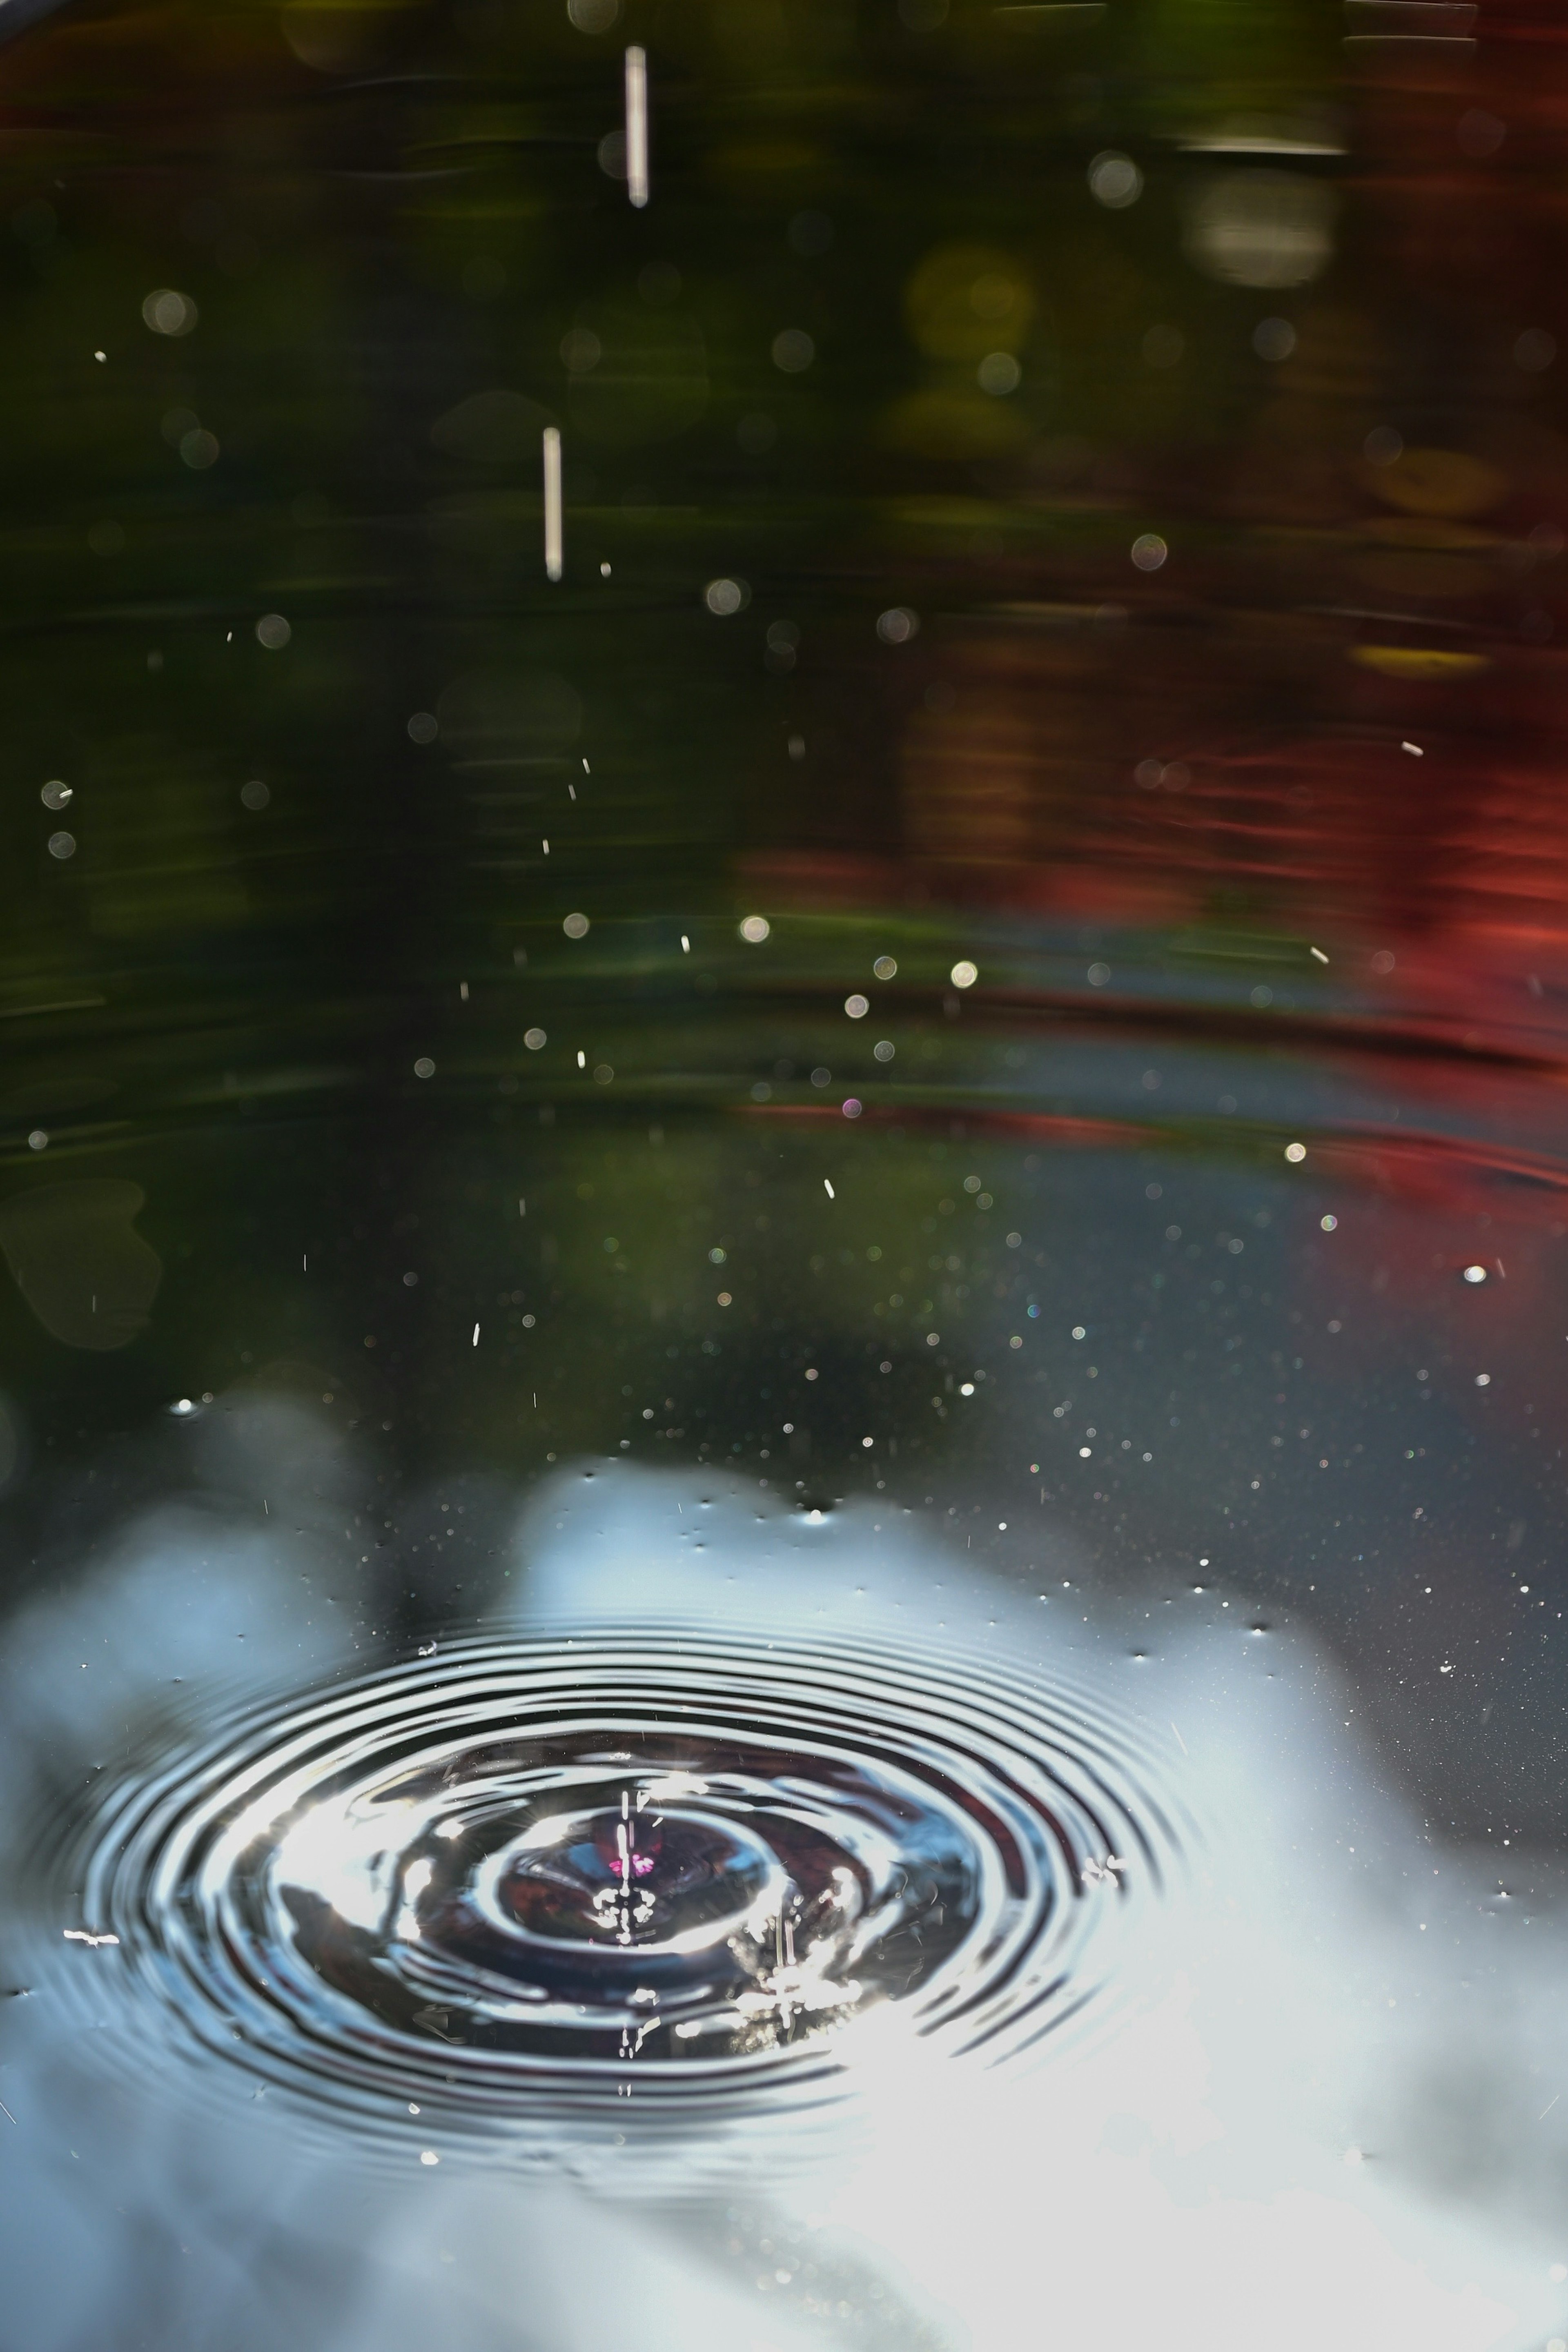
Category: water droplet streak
[563,1889]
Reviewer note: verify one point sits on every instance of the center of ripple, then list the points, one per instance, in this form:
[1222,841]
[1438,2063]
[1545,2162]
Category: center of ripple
[557,1899]
[660,1879]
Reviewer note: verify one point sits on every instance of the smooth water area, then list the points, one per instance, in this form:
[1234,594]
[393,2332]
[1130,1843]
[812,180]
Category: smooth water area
[782,1177]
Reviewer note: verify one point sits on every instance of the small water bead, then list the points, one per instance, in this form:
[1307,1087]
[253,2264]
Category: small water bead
[581,351]
[1115,180]
[999,373]
[169,312]
[792,350]
[1274,340]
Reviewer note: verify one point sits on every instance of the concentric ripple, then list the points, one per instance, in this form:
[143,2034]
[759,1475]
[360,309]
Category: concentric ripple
[654,1880]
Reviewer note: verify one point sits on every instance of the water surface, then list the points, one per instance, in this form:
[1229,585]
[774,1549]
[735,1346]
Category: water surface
[782,1326]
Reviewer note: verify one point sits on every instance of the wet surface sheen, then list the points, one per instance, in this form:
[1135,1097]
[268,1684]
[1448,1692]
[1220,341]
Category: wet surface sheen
[783,1182]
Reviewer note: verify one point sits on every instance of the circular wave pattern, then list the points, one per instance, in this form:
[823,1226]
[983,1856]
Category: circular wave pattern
[538,1887]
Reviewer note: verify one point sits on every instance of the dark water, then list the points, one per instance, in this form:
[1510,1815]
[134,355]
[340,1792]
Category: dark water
[782,1360]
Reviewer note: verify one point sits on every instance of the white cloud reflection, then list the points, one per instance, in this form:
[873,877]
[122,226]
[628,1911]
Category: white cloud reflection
[1334,1984]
